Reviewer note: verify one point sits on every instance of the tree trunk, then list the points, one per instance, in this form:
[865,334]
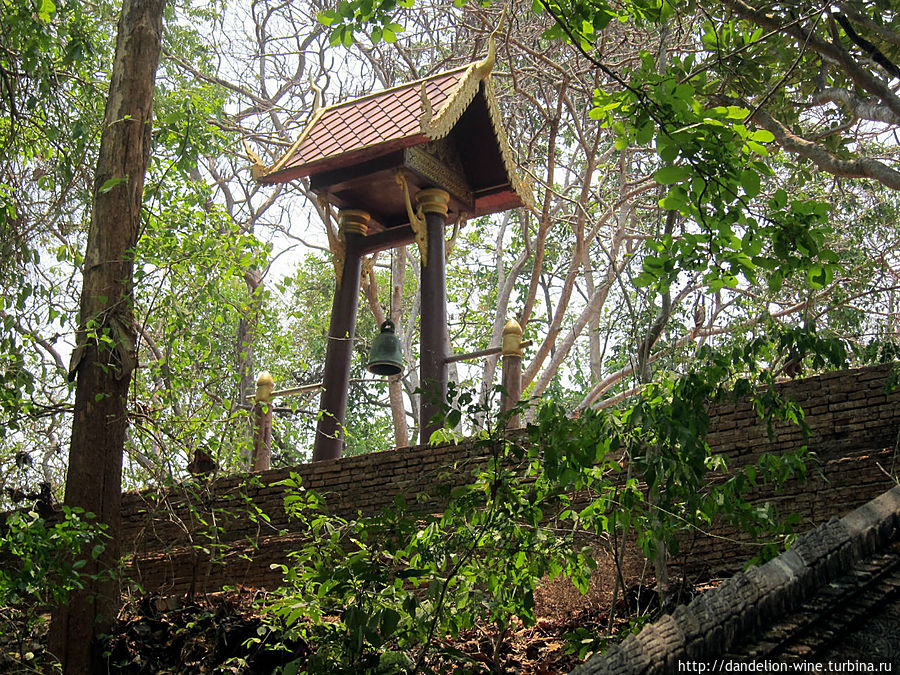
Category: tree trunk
[105,354]
[395,382]
[246,361]
[395,385]
[660,560]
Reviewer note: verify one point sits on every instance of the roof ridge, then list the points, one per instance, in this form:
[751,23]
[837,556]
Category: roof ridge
[396,87]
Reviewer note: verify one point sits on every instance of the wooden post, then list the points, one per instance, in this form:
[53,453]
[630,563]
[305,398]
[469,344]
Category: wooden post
[433,325]
[512,371]
[339,352]
[262,423]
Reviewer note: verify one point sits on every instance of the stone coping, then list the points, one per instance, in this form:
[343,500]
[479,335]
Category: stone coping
[707,627]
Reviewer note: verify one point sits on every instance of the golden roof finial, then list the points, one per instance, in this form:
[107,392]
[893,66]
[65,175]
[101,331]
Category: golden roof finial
[257,168]
[486,65]
[319,100]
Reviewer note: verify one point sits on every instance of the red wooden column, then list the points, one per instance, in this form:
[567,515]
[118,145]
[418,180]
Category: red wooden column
[433,360]
[339,352]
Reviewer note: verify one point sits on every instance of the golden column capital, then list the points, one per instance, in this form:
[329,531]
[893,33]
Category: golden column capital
[433,200]
[354,221]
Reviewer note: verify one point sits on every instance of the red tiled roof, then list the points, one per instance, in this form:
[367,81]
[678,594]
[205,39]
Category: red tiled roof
[391,116]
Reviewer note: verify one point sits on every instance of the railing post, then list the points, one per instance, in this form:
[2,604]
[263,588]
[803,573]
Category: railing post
[262,423]
[512,371]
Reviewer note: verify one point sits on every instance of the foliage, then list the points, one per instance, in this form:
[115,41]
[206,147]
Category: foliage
[411,581]
[42,563]
[46,119]
[204,634]
[353,17]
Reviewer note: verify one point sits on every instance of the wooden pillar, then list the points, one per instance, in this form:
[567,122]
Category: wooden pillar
[512,371]
[339,352]
[433,324]
[262,423]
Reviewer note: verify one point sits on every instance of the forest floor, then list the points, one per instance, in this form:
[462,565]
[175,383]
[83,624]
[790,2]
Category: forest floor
[209,634]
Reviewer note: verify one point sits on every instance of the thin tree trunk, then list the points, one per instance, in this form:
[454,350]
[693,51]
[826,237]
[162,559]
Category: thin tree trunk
[660,560]
[395,384]
[105,354]
[246,358]
[549,343]
[594,350]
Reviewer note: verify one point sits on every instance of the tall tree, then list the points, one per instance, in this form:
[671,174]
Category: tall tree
[105,355]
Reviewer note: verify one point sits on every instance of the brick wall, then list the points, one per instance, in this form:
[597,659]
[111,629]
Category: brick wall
[237,527]
[854,425]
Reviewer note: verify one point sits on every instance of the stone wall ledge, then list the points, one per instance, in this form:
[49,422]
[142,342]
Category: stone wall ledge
[708,627]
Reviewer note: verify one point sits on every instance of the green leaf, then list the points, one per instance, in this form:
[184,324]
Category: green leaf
[776,281]
[757,148]
[327,17]
[779,199]
[46,10]
[676,200]
[645,134]
[671,174]
[643,279]
[820,275]
[762,136]
[110,184]
[751,244]
[750,182]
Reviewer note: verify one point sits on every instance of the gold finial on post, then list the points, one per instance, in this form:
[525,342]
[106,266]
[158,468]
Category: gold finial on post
[512,371]
[512,339]
[265,385]
[262,422]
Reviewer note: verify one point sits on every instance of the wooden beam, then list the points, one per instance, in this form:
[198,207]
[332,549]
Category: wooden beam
[390,238]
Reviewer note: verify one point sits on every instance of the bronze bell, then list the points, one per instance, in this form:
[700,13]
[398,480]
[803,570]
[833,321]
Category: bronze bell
[385,355]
